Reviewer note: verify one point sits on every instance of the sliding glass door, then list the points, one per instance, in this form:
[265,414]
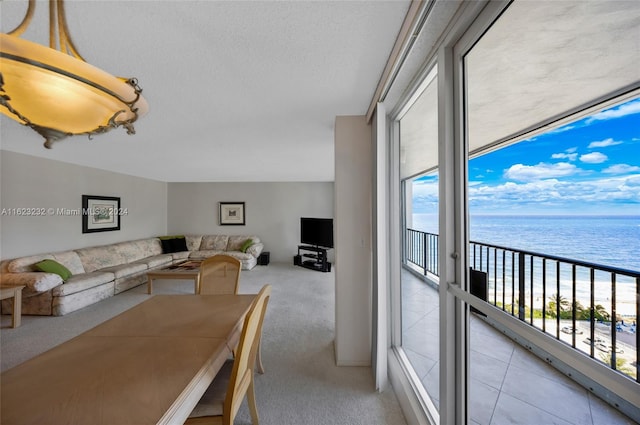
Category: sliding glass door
[420,314]
[504,75]
[535,78]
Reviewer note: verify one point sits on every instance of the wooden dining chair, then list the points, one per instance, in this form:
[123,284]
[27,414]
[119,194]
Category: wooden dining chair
[219,275]
[221,401]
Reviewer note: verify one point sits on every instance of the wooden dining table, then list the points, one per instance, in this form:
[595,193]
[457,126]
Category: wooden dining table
[148,365]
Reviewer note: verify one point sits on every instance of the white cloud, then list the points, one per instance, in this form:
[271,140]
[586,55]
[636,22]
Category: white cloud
[604,143]
[511,193]
[427,189]
[632,181]
[562,129]
[541,171]
[569,156]
[558,194]
[593,158]
[621,169]
[425,195]
[621,111]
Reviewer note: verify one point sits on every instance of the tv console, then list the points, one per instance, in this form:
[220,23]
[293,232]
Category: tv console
[318,258]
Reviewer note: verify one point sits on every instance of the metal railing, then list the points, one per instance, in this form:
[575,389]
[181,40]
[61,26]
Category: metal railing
[422,250]
[577,302]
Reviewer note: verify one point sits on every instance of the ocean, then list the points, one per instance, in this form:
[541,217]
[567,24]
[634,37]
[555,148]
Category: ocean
[604,240]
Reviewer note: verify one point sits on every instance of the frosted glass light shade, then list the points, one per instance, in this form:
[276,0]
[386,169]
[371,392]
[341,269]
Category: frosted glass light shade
[58,95]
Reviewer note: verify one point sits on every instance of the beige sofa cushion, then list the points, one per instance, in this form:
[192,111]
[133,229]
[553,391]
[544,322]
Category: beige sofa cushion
[214,242]
[72,302]
[239,255]
[136,250]
[4,266]
[177,256]
[201,255]
[255,249]
[25,264]
[235,242]
[193,242]
[82,282]
[123,270]
[148,247]
[70,260]
[34,281]
[156,260]
[98,257]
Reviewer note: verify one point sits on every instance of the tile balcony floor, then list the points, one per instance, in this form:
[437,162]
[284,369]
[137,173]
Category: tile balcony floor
[509,385]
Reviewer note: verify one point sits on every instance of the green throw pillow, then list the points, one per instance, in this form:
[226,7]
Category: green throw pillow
[51,266]
[246,245]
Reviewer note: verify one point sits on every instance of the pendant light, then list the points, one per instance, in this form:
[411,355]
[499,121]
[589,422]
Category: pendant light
[56,92]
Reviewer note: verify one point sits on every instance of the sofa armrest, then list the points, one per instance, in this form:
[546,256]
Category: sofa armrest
[36,282]
[255,249]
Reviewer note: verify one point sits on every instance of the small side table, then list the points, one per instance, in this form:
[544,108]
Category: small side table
[14,292]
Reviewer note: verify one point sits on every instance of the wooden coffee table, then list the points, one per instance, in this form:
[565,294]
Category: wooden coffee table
[189,269]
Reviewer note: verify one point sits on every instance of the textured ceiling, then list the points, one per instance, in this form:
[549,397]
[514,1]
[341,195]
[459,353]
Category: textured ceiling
[539,62]
[542,60]
[238,90]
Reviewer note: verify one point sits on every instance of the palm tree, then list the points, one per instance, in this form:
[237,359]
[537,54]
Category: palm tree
[556,300]
[600,313]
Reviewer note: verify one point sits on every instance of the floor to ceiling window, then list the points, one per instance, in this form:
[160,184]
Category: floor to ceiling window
[538,66]
[419,295]
[513,72]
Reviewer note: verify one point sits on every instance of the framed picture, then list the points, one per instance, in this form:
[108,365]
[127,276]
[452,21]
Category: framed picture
[100,213]
[232,214]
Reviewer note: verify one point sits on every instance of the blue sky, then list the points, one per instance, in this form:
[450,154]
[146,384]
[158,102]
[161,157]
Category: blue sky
[590,166]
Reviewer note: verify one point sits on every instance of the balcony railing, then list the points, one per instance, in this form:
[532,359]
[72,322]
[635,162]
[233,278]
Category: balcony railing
[579,303]
[422,250]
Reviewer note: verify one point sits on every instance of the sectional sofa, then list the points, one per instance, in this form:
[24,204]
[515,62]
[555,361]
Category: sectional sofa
[99,272]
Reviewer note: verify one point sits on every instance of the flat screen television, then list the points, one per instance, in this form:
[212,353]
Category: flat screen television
[316,231]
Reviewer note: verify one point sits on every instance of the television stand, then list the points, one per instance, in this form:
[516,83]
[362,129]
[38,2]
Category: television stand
[313,258]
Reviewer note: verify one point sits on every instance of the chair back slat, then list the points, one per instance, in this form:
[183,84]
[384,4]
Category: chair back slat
[219,275]
[235,383]
[245,360]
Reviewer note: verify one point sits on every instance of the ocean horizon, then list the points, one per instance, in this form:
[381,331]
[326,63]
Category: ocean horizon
[606,240]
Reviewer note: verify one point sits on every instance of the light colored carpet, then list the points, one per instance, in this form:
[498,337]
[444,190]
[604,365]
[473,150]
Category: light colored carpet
[301,385]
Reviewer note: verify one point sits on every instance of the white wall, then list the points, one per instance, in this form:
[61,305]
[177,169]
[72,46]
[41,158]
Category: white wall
[272,210]
[353,192]
[31,182]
